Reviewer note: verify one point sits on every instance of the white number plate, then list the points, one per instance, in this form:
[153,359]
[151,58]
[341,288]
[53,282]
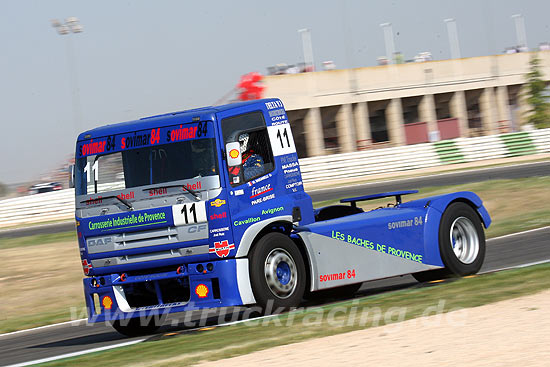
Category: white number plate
[189,213]
[281,139]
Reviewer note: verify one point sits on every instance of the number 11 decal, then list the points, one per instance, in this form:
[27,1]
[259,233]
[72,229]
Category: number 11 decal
[281,139]
[192,210]
[92,168]
[189,213]
[285,134]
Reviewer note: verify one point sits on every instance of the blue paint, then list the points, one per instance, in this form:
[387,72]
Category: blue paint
[283,273]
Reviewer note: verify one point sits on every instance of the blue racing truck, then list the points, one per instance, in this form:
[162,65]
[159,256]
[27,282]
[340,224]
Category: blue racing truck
[206,208]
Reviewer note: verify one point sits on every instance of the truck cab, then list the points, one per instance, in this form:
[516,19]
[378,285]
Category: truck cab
[166,214]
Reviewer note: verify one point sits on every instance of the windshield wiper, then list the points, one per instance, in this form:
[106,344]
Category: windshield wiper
[123,201]
[191,191]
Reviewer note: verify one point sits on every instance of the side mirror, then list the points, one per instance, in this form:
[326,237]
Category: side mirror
[71,176]
[233,153]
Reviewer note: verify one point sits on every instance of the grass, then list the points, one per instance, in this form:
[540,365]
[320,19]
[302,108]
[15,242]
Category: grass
[70,219]
[39,284]
[40,239]
[40,276]
[223,342]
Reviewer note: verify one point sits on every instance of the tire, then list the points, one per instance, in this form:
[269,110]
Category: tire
[277,273]
[134,327]
[461,244]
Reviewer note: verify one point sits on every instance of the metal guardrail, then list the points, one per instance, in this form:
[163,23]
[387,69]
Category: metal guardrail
[60,204]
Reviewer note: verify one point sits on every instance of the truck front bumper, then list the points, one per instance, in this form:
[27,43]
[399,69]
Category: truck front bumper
[188,287]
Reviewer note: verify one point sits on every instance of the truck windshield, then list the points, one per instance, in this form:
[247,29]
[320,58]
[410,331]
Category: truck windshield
[149,165]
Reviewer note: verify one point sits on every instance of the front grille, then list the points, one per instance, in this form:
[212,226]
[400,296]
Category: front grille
[150,256]
[147,238]
[152,237]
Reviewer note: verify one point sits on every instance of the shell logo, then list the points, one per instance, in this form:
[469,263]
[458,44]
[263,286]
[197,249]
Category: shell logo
[234,153]
[201,291]
[107,302]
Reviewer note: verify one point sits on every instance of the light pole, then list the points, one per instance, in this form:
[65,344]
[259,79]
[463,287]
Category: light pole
[307,49]
[388,39]
[453,38]
[71,25]
[521,35]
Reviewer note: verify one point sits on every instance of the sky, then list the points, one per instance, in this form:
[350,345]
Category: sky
[141,58]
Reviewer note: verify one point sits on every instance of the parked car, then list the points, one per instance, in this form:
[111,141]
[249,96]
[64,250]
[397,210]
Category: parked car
[45,187]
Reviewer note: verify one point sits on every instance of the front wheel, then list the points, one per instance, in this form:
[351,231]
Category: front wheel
[277,273]
[461,243]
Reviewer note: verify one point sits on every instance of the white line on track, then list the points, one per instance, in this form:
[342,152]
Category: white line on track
[517,266]
[82,352]
[76,322]
[75,354]
[517,233]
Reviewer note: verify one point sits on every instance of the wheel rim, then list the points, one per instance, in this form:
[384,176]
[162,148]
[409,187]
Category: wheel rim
[280,273]
[464,240]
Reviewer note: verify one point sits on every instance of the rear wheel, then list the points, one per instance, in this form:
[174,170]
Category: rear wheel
[277,273]
[461,243]
[135,327]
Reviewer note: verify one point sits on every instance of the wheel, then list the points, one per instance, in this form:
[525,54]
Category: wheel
[338,292]
[135,327]
[461,240]
[461,243]
[277,273]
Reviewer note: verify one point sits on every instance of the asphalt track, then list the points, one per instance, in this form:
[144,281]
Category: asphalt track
[508,251]
[444,179]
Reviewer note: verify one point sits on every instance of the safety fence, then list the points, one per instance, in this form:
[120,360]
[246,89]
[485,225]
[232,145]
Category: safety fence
[60,204]
[408,157]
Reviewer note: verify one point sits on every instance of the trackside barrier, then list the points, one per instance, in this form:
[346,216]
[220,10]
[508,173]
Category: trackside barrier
[541,139]
[60,204]
[37,208]
[368,162]
[518,143]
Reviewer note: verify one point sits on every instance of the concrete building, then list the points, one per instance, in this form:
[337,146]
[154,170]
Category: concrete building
[341,111]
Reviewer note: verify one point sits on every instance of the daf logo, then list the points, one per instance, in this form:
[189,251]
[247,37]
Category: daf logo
[99,241]
[196,228]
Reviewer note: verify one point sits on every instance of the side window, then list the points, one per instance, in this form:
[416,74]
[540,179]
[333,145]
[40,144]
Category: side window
[250,131]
